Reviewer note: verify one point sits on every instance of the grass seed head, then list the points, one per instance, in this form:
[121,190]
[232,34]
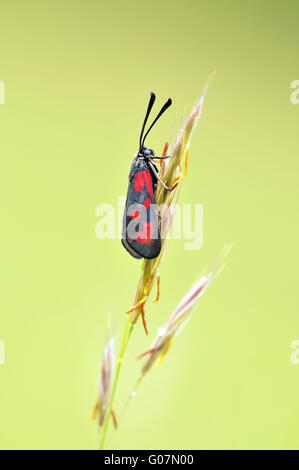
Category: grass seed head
[182,314]
[171,172]
[105,382]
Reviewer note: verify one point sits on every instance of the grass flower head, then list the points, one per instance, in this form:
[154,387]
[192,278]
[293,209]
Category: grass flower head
[182,314]
[105,383]
[171,172]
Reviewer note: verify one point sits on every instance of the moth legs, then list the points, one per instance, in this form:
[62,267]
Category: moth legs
[152,167]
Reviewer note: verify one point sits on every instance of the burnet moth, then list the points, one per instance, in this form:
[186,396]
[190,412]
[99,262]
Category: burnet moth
[141,233]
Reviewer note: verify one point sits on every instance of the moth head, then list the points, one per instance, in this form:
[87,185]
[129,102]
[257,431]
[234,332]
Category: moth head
[145,152]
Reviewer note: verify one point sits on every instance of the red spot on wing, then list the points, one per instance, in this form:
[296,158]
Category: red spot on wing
[145,236]
[139,182]
[134,214]
[147,203]
[148,182]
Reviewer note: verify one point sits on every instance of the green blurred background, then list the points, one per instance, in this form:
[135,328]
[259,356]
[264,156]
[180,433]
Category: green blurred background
[77,77]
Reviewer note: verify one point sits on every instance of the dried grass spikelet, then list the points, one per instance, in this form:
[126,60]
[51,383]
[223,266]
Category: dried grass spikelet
[171,173]
[182,314]
[105,383]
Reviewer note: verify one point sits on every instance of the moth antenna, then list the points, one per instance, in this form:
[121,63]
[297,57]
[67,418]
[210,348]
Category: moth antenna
[163,109]
[149,108]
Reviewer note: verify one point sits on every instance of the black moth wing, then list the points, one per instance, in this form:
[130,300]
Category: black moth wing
[129,249]
[141,234]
